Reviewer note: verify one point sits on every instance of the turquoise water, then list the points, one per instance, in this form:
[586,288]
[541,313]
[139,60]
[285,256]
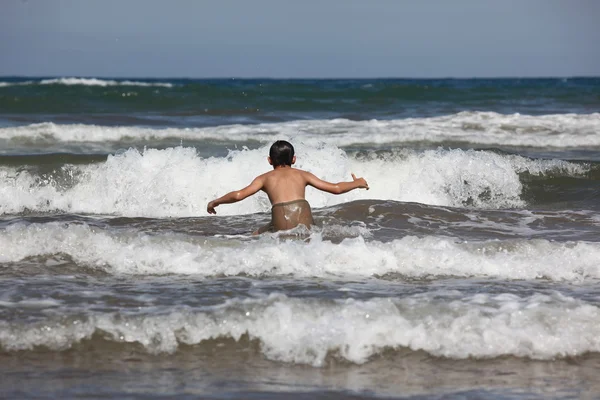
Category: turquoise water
[201,102]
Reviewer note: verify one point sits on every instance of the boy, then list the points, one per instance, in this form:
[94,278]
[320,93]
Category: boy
[285,187]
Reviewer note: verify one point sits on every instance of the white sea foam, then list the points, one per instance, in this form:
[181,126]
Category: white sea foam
[131,252]
[49,132]
[177,182]
[86,82]
[6,84]
[483,128]
[307,331]
[100,82]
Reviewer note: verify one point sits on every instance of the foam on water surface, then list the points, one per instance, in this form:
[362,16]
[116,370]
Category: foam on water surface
[476,127]
[131,252]
[307,330]
[176,182]
[86,82]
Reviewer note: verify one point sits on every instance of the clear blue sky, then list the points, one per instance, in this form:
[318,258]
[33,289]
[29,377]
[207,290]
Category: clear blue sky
[284,38]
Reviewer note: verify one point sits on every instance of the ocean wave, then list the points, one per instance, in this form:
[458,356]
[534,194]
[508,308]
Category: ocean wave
[132,252]
[307,331]
[85,82]
[481,128]
[177,182]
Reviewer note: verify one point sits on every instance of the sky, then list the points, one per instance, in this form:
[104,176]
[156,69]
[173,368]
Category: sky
[300,39]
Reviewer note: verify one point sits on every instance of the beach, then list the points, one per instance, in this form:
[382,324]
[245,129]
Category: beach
[470,269]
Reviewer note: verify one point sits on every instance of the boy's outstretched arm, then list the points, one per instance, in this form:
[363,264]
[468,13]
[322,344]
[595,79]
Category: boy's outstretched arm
[336,188]
[236,195]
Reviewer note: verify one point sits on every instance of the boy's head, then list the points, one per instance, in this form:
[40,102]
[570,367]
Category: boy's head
[281,153]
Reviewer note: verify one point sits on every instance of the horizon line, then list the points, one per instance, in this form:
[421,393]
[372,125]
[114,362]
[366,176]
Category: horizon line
[298,77]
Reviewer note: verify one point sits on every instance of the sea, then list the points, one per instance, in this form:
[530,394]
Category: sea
[469,270]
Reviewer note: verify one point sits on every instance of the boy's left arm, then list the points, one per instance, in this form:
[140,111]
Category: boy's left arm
[237,195]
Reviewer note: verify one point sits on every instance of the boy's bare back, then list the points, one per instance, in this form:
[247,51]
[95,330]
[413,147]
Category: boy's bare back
[283,184]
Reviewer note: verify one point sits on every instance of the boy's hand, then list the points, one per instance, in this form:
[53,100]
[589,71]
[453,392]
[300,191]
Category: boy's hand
[210,208]
[360,182]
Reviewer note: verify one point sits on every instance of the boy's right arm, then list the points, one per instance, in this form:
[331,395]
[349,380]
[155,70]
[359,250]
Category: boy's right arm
[237,195]
[335,188]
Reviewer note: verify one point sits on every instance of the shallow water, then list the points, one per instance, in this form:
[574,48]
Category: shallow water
[468,270]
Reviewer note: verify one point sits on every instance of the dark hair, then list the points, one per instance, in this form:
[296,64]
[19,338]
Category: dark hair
[281,153]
